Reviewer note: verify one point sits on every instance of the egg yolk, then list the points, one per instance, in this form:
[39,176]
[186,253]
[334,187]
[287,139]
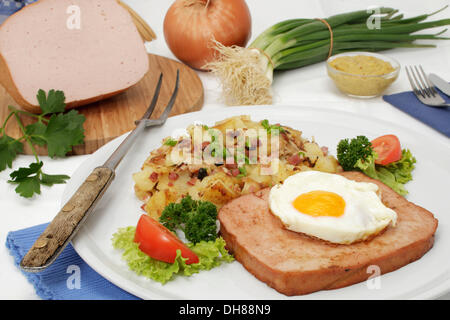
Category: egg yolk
[320,204]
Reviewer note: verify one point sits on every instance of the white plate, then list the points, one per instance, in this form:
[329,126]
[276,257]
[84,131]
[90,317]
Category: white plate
[428,277]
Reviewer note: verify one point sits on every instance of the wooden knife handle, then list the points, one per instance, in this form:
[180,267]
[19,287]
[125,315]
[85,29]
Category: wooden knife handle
[67,222]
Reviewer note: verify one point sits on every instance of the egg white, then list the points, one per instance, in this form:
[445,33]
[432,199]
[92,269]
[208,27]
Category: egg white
[364,213]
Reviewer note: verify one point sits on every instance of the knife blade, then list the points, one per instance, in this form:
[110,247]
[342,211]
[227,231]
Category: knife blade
[440,83]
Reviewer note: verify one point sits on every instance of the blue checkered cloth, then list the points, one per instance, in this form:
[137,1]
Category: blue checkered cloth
[8,7]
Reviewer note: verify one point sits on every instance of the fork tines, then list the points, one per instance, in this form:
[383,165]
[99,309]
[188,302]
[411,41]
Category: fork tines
[422,87]
[419,81]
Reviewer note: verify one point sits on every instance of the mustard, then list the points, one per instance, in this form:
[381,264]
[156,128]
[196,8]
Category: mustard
[362,75]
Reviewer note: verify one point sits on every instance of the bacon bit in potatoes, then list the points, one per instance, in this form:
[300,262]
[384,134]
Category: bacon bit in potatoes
[231,165]
[173,176]
[170,184]
[153,177]
[324,150]
[192,181]
[235,172]
[205,144]
[294,159]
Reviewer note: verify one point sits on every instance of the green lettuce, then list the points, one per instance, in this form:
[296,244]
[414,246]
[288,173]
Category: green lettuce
[210,253]
[402,169]
[394,175]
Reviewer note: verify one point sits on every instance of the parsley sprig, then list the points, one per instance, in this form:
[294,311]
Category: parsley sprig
[53,128]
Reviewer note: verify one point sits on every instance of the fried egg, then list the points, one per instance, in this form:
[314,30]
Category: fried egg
[330,207]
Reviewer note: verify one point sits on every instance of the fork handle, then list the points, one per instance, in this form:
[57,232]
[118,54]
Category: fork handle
[68,221]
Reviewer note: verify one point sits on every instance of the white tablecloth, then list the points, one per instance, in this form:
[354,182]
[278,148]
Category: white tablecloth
[306,86]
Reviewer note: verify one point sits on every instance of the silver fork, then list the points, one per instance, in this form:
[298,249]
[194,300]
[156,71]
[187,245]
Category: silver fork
[422,87]
[81,205]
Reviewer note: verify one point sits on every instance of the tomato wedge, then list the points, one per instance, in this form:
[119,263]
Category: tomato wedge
[159,243]
[388,149]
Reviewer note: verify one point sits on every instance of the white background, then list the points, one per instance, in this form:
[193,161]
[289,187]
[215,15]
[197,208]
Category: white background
[306,86]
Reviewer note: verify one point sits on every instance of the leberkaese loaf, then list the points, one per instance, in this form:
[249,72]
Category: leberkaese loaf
[295,264]
[90,49]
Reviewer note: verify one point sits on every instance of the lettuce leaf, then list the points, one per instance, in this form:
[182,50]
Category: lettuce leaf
[210,253]
[394,175]
[402,169]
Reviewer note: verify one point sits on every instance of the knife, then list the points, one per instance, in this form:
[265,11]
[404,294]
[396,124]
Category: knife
[440,83]
[82,204]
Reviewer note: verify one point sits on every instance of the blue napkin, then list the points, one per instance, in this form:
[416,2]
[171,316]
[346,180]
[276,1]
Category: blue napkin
[68,278]
[437,118]
[8,7]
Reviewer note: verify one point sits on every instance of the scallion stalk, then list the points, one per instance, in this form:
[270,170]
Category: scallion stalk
[247,73]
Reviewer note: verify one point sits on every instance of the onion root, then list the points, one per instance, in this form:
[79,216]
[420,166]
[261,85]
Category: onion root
[244,73]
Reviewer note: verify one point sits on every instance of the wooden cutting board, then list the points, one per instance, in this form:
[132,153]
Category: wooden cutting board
[110,118]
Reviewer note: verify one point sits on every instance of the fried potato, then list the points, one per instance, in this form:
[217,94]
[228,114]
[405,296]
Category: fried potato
[163,179]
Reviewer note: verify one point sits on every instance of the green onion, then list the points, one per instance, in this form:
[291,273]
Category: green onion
[247,73]
[269,128]
[243,172]
[170,142]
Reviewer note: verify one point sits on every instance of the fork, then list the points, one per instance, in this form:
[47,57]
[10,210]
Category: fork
[73,214]
[423,89]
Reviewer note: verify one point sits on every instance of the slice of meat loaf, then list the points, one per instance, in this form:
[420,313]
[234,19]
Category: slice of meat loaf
[90,49]
[295,264]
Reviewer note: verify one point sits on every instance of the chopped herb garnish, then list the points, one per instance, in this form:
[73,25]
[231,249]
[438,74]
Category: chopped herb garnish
[269,128]
[170,142]
[216,145]
[243,172]
[241,155]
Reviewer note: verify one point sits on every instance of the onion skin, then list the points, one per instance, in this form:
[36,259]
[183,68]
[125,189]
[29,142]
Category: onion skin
[190,25]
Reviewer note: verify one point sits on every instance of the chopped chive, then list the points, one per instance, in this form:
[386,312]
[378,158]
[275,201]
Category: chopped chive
[171,142]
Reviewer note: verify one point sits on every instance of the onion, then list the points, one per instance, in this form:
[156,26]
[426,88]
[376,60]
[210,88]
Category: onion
[190,26]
